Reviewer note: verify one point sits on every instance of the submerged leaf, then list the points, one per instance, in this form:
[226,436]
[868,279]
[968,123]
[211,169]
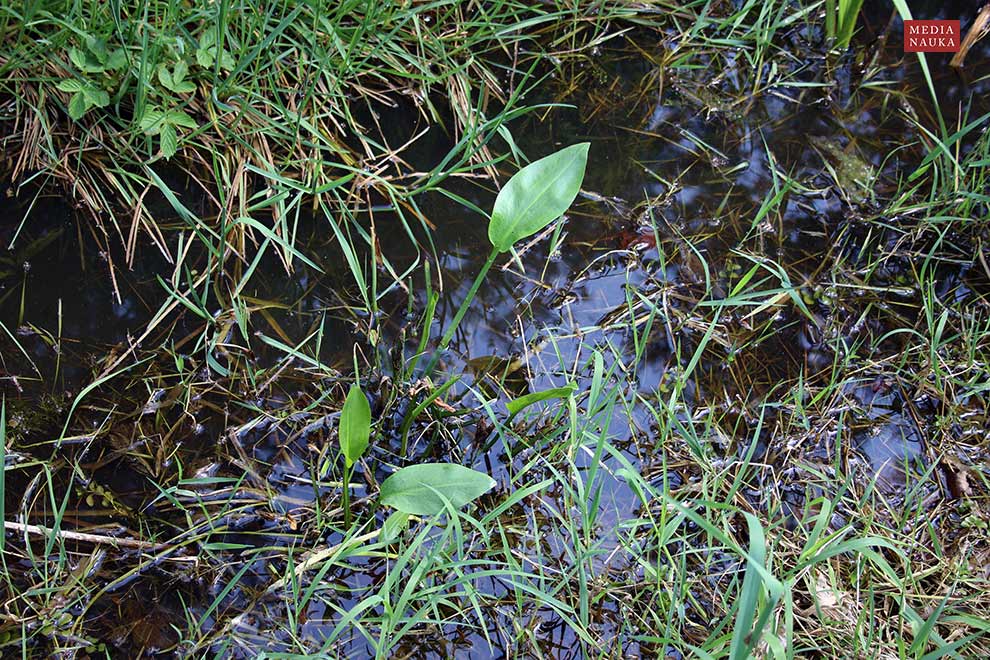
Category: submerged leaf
[537,195]
[355,425]
[422,489]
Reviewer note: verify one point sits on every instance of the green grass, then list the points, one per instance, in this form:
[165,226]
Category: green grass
[671,483]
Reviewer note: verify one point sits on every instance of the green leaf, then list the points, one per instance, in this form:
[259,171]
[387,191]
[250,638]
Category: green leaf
[184,87]
[78,106]
[98,48]
[421,489]
[204,58]
[117,60]
[752,613]
[180,71]
[355,425]
[3,463]
[227,62]
[71,85]
[170,141]
[536,195]
[848,12]
[180,118]
[518,404]
[96,96]
[209,38]
[208,52]
[88,60]
[151,121]
[165,77]
[79,58]
[393,526]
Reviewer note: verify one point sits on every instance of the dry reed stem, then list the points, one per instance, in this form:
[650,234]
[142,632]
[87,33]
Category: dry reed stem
[976,32]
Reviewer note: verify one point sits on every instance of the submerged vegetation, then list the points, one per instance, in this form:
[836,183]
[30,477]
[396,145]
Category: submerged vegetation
[709,381]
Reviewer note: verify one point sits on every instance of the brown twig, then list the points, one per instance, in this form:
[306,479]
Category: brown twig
[100,539]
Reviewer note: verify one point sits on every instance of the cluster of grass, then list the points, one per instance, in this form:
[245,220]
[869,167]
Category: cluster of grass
[263,106]
[189,497]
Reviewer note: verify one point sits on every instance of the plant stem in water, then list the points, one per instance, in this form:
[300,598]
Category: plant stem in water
[347,496]
[447,336]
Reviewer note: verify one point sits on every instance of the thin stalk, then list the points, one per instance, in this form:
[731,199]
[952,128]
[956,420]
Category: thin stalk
[347,495]
[447,336]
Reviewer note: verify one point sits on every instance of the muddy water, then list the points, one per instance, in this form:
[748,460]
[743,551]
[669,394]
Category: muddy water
[672,202]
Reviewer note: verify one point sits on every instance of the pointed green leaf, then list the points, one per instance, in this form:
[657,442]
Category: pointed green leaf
[752,611]
[77,106]
[537,195]
[3,463]
[170,141]
[165,77]
[180,118]
[355,425]
[180,71]
[71,85]
[421,489]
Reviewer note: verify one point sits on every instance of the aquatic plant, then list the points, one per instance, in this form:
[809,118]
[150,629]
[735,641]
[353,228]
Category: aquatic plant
[427,489]
[534,197]
[353,434]
[840,20]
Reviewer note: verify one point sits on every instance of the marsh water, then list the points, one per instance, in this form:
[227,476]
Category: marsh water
[673,211]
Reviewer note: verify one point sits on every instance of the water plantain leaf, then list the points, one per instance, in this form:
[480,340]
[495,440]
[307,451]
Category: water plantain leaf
[355,425]
[421,489]
[537,195]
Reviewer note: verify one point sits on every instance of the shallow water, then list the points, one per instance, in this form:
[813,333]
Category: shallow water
[672,201]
